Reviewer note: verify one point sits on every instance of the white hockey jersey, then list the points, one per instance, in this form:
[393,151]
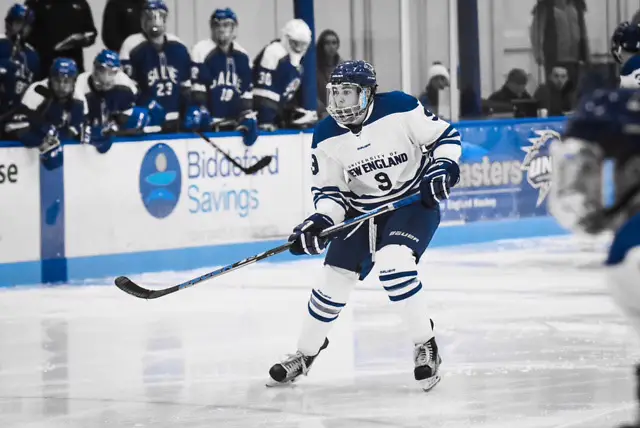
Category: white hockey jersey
[384,162]
[630,73]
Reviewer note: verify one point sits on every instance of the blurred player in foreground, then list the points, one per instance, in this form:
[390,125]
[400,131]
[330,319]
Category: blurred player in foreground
[606,127]
[625,46]
[373,149]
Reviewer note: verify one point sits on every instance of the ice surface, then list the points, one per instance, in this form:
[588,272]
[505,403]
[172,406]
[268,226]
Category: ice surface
[528,334]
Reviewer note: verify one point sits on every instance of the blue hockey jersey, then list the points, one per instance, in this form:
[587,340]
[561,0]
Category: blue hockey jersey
[225,78]
[104,105]
[18,69]
[161,75]
[45,112]
[276,78]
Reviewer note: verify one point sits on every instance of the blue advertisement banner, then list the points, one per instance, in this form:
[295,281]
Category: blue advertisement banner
[505,171]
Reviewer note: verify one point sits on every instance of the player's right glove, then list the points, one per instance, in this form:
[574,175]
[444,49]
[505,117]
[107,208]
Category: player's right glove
[437,182]
[305,237]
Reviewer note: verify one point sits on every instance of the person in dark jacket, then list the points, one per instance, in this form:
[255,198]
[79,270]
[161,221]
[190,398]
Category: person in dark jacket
[121,18]
[327,58]
[556,95]
[559,36]
[62,28]
[514,89]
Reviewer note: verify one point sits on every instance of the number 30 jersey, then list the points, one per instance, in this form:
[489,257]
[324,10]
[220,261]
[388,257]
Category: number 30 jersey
[382,163]
[161,74]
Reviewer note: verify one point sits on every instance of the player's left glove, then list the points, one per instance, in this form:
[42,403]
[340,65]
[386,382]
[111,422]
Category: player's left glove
[437,182]
[305,237]
[196,117]
[248,126]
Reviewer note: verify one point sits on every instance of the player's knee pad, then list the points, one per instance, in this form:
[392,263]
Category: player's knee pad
[328,299]
[398,272]
[624,280]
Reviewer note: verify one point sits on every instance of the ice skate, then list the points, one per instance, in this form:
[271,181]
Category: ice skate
[427,362]
[292,367]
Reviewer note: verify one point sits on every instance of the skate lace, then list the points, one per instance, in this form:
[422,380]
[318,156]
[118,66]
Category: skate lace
[424,354]
[295,362]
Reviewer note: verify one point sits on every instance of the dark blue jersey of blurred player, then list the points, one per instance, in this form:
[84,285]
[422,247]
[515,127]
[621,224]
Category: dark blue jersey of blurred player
[222,77]
[602,140]
[277,71]
[110,95]
[55,111]
[625,49]
[160,65]
[19,67]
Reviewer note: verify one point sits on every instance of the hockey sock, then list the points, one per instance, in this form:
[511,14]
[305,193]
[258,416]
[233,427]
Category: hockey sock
[325,304]
[399,277]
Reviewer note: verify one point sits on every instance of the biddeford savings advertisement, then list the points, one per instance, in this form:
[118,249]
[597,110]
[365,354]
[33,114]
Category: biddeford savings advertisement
[505,172]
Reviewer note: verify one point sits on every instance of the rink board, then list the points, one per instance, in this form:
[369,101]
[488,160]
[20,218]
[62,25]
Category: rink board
[172,202]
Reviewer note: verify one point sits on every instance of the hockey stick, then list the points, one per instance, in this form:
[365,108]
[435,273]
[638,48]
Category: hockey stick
[262,163]
[130,287]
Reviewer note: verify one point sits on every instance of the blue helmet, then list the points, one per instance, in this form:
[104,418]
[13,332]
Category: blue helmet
[223,23]
[106,66]
[62,76]
[153,19]
[350,91]
[19,20]
[626,38]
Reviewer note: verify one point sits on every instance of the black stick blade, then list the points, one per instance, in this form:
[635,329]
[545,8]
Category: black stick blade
[262,163]
[130,287]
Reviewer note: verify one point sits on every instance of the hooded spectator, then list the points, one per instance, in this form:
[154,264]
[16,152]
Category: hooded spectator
[437,80]
[121,19]
[327,58]
[62,28]
[515,88]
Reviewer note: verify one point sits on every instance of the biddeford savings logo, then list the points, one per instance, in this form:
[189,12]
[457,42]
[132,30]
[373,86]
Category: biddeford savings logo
[537,162]
[160,180]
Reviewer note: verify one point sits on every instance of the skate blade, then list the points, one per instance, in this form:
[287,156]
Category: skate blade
[270,383]
[428,383]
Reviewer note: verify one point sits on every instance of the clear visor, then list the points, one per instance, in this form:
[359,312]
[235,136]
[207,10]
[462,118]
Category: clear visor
[63,86]
[347,102]
[576,196]
[223,32]
[154,22]
[104,78]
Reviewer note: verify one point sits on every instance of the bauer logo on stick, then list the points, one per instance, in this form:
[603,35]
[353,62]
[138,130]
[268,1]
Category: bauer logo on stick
[160,180]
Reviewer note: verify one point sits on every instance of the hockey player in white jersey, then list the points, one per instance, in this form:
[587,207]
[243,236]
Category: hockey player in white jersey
[625,46]
[373,149]
[604,127]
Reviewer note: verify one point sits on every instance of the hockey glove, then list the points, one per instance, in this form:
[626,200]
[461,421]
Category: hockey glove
[305,237]
[248,126]
[437,182]
[196,117]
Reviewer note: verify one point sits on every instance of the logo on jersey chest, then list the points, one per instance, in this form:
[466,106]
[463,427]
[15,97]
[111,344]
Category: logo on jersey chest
[377,162]
[164,73]
[226,79]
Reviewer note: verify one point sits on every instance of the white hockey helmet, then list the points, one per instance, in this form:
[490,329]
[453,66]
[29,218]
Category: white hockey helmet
[296,37]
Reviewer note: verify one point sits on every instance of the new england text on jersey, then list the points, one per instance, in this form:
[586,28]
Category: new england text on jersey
[383,162]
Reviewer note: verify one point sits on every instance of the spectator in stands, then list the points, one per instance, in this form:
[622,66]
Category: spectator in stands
[437,80]
[121,18]
[559,35]
[515,88]
[327,58]
[556,95]
[62,28]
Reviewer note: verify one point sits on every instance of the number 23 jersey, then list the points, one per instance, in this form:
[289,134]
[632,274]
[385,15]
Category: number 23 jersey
[160,74]
[384,162]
